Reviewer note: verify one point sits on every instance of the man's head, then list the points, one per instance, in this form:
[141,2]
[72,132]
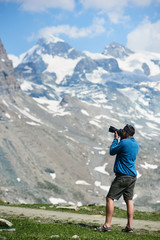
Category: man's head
[128,131]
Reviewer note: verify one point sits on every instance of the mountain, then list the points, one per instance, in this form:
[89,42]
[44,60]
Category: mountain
[117,50]
[8,80]
[58,128]
[37,158]
[50,70]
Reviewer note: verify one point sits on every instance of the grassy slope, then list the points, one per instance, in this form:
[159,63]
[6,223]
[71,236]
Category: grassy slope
[27,229]
[37,229]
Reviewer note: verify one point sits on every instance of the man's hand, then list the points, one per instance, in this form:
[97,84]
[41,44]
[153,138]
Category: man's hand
[116,135]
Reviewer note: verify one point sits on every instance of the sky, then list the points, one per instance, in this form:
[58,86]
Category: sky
[87,25]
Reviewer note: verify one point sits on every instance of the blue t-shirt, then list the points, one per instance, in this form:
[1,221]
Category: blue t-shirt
[126,150]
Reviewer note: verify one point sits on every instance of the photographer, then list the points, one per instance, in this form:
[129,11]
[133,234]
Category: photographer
[124,168]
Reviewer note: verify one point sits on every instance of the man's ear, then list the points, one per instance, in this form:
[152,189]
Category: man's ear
[127,134]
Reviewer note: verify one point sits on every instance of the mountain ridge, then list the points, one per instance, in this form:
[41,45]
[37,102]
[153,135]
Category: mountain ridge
[7,75]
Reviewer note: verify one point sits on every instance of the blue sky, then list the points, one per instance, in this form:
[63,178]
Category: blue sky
[84,24]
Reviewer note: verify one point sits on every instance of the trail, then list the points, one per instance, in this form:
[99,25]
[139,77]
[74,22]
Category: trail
[75,217]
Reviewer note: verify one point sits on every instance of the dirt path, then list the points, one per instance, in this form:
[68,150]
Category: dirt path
[75,217]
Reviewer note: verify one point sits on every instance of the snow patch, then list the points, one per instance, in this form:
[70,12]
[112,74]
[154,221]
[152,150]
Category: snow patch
[102,152]
[53,175]
[26,114]
[135,196]
[105,117]
[15,60]
[134,62]
[87,163]
[72,139]
[147,166]
[8,116]
[22,201]
[98,184]
[61,66]
[52,106]
[138,126]
[95,123]
[56,200]
[84,112]
[82,182]
[138,175]
[101,169]
[96,75]
[5,103]
[26,85]
[33,124]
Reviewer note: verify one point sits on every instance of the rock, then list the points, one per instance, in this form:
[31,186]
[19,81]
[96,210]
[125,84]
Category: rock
[69,207]
[101,212]
[7,230]
[43,207]
[8,80]
[92,204]
[4,222]
[75,236]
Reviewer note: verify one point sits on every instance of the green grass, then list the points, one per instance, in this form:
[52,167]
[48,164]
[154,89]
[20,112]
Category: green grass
[94,210]
[38,229]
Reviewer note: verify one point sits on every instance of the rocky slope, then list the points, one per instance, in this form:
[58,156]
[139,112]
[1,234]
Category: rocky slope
[8,80]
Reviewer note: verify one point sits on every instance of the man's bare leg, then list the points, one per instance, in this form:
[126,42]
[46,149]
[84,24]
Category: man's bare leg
[109,211]
[130,212]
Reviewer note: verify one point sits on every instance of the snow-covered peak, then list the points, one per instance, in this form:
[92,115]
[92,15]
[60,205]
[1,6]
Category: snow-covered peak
[117,50]
[15,60]
[50,39]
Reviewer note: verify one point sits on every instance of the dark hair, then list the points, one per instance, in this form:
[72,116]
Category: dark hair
[129,129]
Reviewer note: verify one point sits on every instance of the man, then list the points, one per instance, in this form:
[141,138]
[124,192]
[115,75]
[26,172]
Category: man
[126,152]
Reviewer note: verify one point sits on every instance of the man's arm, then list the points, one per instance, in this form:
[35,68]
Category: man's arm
[115,147]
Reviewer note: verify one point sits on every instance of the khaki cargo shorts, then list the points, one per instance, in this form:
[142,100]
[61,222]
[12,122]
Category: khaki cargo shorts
[123,185]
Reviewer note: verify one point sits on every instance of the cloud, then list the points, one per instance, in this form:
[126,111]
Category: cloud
[95,29]
[143,3]
[43,5]
[115,9]
[110,5]
[145,37]
[117,17]
[103,4]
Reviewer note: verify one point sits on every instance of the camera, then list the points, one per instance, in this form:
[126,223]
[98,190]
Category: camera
[113,130]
